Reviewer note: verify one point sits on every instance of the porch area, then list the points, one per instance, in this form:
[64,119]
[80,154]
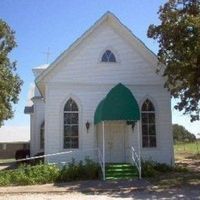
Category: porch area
[114,116]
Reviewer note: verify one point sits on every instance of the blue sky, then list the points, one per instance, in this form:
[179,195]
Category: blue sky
[55,24]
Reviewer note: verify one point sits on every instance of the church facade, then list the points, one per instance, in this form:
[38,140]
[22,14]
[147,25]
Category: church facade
[101,95]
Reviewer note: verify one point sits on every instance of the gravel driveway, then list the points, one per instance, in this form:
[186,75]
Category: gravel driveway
[68,196]
[98,190]
[127,195]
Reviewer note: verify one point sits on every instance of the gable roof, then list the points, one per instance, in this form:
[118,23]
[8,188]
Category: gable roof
[108,16]
[39,69]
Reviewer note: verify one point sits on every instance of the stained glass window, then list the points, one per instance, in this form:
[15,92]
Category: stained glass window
[42,136]
[108,56]
[148,124]
[71,117]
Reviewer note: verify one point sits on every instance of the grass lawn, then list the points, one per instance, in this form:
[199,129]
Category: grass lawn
[5,161]
[187,148]
[187,173]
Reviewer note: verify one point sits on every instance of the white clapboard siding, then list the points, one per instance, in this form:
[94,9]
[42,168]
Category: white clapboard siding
[88,98]
[84,65]
[82,76]
[37,118]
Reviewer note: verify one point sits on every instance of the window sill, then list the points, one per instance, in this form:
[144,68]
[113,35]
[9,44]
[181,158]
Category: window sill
[70,149]
[108,63]
[149,148]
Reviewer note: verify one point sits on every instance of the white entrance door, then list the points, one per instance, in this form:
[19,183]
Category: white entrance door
[115,142]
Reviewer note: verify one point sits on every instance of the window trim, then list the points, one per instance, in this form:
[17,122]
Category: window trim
[63,124]
[61,119]
[108,57]
[156,125]
[42,127]
[116,54]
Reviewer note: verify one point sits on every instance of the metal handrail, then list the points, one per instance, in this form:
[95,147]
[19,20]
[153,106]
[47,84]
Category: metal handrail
[100,159]
[136,160]
[49,155]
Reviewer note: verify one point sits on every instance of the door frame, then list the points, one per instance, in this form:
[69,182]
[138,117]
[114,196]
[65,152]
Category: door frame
[108,138]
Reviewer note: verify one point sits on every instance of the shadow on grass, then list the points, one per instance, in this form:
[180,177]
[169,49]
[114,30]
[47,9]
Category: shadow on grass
[100,185]
[177,179]
[139,189]
[174,193]
[181,183]
[8,166]
[193,156]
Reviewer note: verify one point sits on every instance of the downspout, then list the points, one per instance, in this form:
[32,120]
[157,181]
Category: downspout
[139,151]
[104,177]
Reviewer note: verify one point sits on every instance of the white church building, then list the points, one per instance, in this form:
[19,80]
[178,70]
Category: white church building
[102,96]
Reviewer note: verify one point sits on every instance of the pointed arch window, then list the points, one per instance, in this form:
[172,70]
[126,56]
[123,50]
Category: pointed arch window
[42,135]
[71,123]
[108,56]
[148,124]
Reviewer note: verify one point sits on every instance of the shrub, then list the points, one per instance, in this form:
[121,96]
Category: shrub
[44,173]
[22,154]
[152,168]
[180,169]
[162,167]
[37,161]
[81,171]
[29,175]
[148,169]
[91,169]
[70,172]
[5,178]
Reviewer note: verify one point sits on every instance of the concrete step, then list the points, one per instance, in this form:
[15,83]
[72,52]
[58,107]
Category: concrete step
[120,171]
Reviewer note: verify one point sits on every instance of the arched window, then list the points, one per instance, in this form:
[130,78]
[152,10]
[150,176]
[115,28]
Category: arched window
[108,56]
[148,124]
[42,135]
[71,125]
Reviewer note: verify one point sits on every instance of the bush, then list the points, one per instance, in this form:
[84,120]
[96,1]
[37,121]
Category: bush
[162,167]
[82,171]
[148,169]
[29,175]
[22,154]
[25,153]
[180,169]
[44,173]
[37,161]
[151,168]
[91,169]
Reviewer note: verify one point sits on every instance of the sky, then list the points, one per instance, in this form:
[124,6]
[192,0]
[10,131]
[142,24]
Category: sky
[55,24]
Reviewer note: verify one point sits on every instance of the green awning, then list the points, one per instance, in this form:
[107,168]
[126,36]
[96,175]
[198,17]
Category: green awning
[119,104]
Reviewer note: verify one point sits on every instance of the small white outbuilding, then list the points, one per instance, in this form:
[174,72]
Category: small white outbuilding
[13,138]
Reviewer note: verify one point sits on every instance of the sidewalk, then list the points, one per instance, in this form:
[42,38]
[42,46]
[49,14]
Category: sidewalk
[79,186]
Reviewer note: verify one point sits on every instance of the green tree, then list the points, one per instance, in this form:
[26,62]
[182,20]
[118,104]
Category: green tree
[178,36]
[180,134]
[10,83]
